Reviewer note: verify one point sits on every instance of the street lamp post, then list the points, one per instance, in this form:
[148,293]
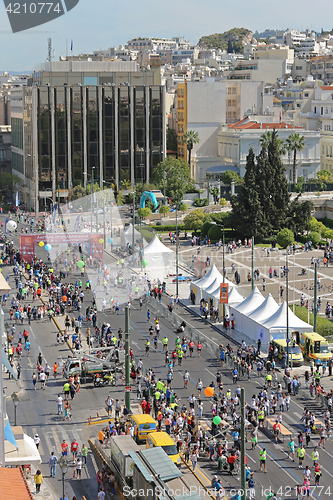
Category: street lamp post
[92,196]
[16,401]
[64,468]
[287,298]
[177,278]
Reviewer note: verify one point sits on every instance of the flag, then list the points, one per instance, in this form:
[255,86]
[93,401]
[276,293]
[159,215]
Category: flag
[76,227]
[16,199]
[70,184]
[6,231]
[72,45]
[63,183]
[54,212]
[280,117]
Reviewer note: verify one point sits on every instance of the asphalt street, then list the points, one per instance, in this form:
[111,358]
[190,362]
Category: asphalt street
[37,409]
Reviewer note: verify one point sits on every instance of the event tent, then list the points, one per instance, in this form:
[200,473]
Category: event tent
[242,310]
[160,258]
[234,296]
[276,325]
[127,236]
[199,286]
[252,322]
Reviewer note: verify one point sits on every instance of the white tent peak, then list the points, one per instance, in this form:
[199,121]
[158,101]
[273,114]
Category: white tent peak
[265,310]
[234,296]
[252,302]
[279,319]
[156,246]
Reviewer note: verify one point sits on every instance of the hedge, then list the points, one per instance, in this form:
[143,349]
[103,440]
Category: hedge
[324,325]
[169,227]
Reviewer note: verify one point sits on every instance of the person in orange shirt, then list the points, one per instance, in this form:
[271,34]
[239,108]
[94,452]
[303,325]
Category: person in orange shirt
[55,369]
[276,428]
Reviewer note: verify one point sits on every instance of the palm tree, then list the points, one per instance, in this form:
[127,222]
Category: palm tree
[266,139]
[190,137]
[295,142]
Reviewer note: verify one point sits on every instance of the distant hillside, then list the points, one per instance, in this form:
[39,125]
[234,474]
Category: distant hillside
[265,34]
[231,41]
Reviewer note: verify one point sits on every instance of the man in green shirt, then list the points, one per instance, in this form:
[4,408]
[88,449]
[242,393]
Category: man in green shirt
[66,389]
[84,452]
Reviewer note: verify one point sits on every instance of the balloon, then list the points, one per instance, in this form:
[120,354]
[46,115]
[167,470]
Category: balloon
[48,247]
[41,243]
[217,420]
[110,241]
[51,270]
[80,263]
[28,266]
[145,262]
[209,391]
[11,225]
[101,241]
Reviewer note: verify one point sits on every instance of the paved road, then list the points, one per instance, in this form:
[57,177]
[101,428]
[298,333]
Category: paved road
[37,409]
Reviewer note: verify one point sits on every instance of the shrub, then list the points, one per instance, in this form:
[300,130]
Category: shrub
[168,227]
[285,237]
[144,212]
[164,209]
[147,235]
[215,233]
[314,237]
[195,220]
[223,202]
[205,228]
[183,207]
[198,202]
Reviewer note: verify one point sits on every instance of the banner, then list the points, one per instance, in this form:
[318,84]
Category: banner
[54,212]
[224,293]
[76,227]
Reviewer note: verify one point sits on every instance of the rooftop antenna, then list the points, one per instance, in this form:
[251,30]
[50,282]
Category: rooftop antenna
[49,49]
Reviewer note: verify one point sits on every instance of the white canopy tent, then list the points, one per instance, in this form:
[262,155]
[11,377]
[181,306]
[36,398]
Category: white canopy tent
[206,281]
[161,259]
[234,296]
[253,321]
[240,311]
[127,236]
[275,327]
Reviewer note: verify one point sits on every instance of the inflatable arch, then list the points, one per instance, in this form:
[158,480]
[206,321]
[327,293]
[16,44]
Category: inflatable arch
[148,195]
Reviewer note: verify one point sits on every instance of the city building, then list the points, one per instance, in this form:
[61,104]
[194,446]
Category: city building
[203,105]
[5,149]
[65,134]
[235,140]
[321,68]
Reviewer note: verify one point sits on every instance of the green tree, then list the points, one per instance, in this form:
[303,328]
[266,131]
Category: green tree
[171,139]
[247,214]
[215,192]
[266,139]
[315,225]
[183,207]
[228,176]
[190,137]
[285,237]
[175,176]
[205,228]
[324,176]
[78,191]
[299,216]
[215,233]
[144,212]
[299,184]
[295,143]
[315,238]
[195,220]
[164,209]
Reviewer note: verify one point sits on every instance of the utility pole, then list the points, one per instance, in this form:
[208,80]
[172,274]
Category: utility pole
[315,300]
[177,278]
[92,195]
[223,272]
[104,233]
[133,222]
[127,360]
[243,446]
[252,263]
[287,298]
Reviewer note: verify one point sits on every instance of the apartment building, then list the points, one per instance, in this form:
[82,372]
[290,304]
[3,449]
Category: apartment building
[321,68]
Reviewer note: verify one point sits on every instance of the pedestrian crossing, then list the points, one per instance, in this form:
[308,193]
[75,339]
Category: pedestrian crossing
[52,436]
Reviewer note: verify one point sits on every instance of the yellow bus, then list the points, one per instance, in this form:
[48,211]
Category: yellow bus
[166,442]
[143,424]
[314,346]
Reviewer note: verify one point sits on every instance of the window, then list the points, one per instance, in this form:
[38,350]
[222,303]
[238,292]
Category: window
[298,105]
[306,94]
[321,110]
[315,110]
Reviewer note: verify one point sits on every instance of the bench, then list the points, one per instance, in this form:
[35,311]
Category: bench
[283,430]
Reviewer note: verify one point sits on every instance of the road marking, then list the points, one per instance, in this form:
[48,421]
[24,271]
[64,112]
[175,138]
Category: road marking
[209,372]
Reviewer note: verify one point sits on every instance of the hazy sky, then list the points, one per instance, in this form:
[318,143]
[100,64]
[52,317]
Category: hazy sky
[96,24]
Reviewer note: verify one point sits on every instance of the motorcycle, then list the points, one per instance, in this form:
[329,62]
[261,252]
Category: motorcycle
[107,379]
